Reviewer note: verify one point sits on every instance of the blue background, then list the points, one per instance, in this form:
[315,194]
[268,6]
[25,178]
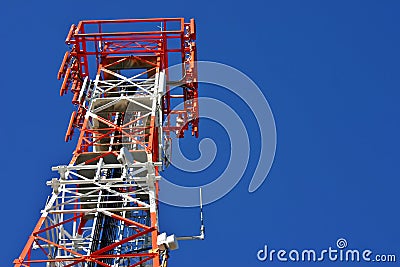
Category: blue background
[330,71]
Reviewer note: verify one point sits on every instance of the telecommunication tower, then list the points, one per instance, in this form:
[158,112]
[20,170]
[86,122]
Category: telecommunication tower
[103,209]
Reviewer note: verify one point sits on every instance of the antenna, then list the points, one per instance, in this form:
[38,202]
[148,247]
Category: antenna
[202,228]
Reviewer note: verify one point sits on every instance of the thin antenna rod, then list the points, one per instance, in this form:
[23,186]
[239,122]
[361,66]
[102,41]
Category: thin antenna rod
[202,228]
[201,216]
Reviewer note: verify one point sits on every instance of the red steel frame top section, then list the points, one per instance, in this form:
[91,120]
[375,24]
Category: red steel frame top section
[92,41]
[88,33]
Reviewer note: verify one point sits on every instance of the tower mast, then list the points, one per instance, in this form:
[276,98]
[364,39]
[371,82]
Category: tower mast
[103,209]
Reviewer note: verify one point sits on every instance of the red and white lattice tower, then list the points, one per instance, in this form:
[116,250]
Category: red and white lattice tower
[103,210]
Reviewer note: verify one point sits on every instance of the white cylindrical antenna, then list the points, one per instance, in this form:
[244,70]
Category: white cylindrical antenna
[201,216]
[202,228]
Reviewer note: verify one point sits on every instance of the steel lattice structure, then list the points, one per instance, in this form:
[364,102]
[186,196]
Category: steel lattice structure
[103,210]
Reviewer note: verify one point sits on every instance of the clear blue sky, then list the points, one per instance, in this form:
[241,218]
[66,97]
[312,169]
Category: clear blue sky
[331,73]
